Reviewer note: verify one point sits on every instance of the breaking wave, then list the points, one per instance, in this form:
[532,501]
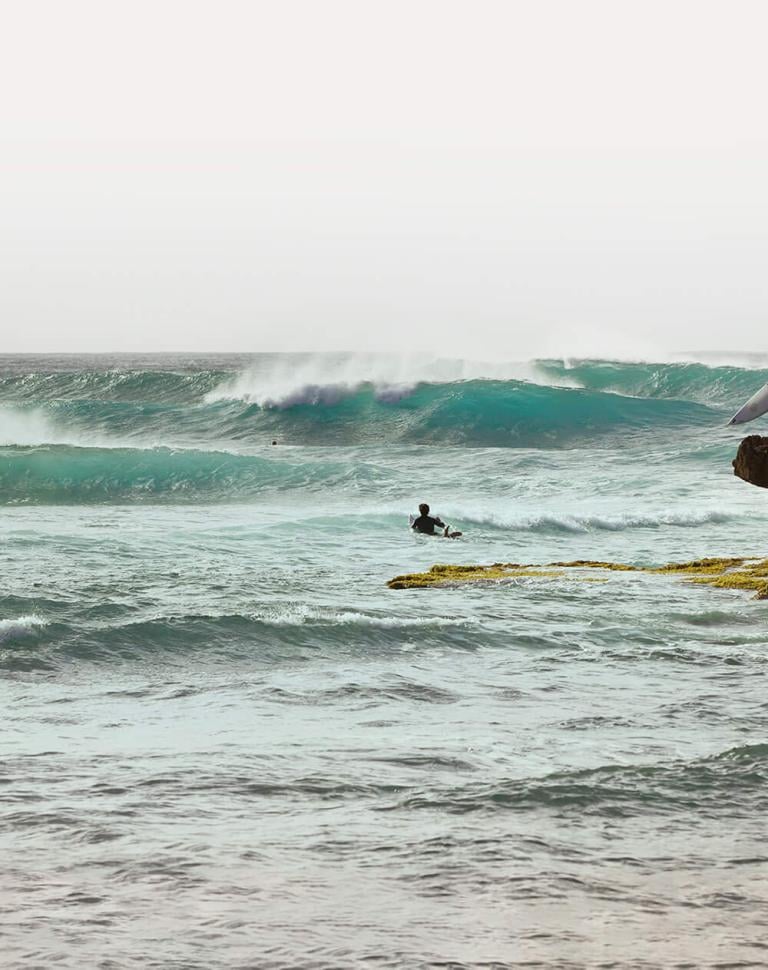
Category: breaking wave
[479,413]
[160,432]
[287,380]
[21,626]
[619,522]
[266,635]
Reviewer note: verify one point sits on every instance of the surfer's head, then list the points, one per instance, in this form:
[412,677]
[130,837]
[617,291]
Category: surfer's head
[424,508]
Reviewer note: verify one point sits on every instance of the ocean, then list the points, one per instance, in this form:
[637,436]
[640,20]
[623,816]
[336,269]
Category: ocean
[227,744]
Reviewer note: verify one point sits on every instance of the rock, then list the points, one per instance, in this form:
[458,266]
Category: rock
[751,461]
[722,572]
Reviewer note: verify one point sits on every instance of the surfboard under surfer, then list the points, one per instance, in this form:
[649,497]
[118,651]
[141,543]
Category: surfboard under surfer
[426,524]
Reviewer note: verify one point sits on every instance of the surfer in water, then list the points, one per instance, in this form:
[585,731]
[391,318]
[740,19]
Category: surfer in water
[426,524]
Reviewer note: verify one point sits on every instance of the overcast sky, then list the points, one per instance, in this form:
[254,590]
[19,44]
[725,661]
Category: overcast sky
[480,178]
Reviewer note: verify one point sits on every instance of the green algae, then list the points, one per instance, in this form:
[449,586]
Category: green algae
[711,565]
[443,575]
[748,575]
[594,564]
[722,572]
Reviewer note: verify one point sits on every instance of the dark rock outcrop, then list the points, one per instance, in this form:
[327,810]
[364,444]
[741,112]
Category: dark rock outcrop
[751,461]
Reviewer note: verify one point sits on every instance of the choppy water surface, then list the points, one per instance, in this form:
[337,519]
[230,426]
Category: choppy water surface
[227,744]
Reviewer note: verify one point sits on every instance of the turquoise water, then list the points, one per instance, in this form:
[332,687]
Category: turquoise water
[227,744]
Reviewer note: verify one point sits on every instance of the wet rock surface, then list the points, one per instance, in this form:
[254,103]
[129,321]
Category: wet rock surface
[723,572]
[751,461]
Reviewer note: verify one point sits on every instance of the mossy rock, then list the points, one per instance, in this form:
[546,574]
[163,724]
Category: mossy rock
[723,572]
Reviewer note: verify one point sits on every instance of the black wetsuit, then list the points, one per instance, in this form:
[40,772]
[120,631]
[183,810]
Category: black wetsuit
[426,524]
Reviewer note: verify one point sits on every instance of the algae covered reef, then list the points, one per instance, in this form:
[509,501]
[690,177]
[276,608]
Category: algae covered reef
[728,572]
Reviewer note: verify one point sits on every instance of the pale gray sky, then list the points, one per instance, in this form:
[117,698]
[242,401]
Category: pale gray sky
[488,178]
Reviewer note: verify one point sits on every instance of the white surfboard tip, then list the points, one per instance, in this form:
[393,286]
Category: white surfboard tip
[756,406]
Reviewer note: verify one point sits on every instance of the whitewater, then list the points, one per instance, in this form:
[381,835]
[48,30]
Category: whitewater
[227,744]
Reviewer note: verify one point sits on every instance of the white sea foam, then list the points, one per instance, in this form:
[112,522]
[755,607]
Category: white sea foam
[589,522]
[326,379]
[345,617]
[295,615]
[20,626]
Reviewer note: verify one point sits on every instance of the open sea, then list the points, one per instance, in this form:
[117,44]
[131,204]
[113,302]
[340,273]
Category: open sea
[226,744]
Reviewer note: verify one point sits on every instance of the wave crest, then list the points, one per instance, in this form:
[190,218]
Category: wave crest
[719,386]
[593,522]
[21,626]
[61,474]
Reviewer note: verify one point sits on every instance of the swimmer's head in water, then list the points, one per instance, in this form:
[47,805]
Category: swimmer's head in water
[424,508]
